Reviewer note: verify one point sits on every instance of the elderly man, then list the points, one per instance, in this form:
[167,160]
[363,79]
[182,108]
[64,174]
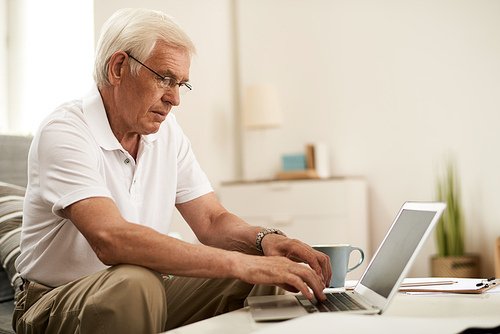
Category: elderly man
[105,174]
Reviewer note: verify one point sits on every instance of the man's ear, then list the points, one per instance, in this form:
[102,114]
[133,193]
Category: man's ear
[116,66]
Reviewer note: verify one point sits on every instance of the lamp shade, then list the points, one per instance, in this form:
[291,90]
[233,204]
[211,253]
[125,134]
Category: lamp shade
[261,108]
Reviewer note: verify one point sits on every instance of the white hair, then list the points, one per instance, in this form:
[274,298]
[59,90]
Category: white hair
[136,31]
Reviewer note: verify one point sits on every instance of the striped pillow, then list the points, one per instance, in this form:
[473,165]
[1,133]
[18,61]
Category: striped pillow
[11,217]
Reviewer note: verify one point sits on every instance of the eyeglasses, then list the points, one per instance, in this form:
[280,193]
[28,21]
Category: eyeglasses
[168,82]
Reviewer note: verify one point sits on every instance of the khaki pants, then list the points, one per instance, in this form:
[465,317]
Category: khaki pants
[127,299]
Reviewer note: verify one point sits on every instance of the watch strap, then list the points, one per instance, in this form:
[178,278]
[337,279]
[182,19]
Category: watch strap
[262,234]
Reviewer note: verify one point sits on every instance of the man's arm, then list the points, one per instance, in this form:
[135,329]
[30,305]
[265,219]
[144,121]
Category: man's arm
[116,241]
[215,226]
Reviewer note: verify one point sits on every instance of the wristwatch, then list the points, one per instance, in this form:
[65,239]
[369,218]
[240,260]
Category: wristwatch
[262,234]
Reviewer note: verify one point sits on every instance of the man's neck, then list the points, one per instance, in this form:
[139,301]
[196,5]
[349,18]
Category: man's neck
[129,141]
[131,144]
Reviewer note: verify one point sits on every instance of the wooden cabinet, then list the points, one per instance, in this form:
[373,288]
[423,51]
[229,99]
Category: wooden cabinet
[315,211]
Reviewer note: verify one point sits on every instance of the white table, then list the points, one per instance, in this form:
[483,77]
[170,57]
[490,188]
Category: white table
[444,313]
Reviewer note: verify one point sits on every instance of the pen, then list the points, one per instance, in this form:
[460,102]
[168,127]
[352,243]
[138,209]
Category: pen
[413,284]
[417,284]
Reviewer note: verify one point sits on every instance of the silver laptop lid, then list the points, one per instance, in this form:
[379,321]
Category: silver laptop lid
[397,252]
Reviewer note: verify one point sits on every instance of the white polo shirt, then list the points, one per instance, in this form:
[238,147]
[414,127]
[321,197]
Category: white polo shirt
[74,156]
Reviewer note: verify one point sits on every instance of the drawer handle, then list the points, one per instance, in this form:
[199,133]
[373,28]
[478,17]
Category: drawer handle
[279,186]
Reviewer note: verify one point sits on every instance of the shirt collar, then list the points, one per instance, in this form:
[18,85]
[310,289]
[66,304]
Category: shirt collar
[97,119]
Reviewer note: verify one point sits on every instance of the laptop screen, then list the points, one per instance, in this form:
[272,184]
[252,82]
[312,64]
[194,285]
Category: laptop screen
[396,250]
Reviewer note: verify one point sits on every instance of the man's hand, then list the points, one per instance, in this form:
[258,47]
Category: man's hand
[297,251]
[282,272]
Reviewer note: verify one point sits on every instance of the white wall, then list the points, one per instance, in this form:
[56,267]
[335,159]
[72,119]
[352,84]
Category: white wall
[390,85]
[3,66]
[50,58]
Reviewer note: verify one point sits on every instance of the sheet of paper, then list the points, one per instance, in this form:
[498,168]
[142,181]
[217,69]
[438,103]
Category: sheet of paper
[464,285]
[430,285]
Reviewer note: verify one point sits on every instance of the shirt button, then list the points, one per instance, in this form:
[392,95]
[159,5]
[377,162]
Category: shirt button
[127,161]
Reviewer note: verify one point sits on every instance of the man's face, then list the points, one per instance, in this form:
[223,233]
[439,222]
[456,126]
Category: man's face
[142,104]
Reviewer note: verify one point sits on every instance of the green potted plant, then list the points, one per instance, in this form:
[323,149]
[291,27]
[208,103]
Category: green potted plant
[451,259]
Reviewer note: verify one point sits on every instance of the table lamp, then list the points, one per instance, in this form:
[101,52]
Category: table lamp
[261,111]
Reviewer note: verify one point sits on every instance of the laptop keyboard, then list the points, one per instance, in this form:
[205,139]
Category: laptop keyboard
[335,302]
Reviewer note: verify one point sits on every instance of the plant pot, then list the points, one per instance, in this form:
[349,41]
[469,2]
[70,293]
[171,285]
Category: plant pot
[467,266]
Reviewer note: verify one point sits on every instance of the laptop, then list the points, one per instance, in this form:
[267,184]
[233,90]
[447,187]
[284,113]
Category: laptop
[381,279]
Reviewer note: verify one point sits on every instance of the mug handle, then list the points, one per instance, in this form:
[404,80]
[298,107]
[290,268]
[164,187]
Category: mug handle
[360,260]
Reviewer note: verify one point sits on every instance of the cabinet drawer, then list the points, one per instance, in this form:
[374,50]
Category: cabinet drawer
[285,198]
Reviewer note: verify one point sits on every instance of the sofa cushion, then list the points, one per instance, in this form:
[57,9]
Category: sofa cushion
[11,217]
[14,159]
